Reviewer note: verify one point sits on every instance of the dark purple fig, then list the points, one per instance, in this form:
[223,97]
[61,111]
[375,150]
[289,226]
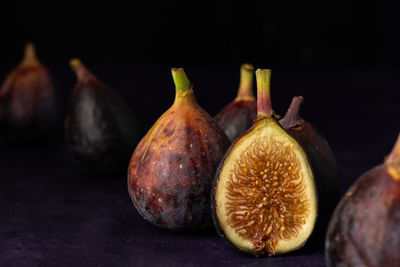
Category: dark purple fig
[264,199]
[322,160]
[237,116]
[100,127]
[171,170]
[28,102]
[365,227]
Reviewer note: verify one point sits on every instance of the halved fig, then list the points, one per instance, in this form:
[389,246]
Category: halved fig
[264,196]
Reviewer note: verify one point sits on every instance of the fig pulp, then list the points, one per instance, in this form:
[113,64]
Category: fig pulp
[100,127]
[28,102]
[322,160]
[365,227]
[171,170]
[237,116]
[264,197]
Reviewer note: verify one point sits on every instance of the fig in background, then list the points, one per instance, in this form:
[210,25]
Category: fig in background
[264,198]
[236,117]
[100,127]
[322,161]
[28,103]
[172,168]
[365,227]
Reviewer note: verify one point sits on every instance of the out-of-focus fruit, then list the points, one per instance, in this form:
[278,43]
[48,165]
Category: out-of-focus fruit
[365,227]
[28,102]
[100,127]
[171,170]
[236,117]
[264,198]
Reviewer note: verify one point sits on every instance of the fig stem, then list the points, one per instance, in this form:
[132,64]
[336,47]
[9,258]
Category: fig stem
[393,160]
[78,67]
[264,107]
[246,82]
[292,116]
[30,52]
[182,83]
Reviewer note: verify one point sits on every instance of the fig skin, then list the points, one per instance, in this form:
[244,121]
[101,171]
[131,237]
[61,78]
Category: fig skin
[365,227]
[171,170]
[100,128]
[322,160]
[28,103]
[237,116]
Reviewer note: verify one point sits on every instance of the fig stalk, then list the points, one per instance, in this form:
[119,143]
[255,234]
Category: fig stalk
[264,107]
[245,91]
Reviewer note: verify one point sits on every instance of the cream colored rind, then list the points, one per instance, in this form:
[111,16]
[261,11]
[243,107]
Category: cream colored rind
[265,127]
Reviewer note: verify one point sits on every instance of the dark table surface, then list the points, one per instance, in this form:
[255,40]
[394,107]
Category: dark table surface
[52,214]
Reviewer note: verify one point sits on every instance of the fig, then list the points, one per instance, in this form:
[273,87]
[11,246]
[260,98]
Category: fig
[172,168]
[264,196]
[237,116]
[100,128]
[28,102]
[365,227]
[323,163]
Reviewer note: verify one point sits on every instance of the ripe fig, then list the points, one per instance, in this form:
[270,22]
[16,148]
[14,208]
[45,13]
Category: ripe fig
[365,227]
[237,116]
[322,160]
[100,127]
[28,102]
[171,169]
[264,197]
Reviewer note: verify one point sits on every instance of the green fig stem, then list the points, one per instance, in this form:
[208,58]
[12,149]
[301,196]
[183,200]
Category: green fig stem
[393,161]
[292,117]
[246,82]
[182,83]
[264,107]
[30,52]
[80,69]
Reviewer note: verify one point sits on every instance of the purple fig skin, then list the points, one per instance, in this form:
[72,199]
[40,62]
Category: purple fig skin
[172,168]
[100,128]
[237,116]
[365,227]
[28,102]
[322,160]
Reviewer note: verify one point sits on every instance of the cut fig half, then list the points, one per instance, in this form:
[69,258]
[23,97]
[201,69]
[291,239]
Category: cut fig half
[264,195]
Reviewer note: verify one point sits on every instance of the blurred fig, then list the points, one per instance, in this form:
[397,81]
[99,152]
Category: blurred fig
[100,127]
[365,227]
[171,170]
[28,102]
[237,116]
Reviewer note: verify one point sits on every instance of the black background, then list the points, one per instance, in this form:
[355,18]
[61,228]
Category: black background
[342,56]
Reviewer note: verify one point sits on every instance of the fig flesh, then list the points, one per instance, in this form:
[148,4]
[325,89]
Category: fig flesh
[322,160]
[172,168]
[28,102]
[236,117]
[100,128]
[264,197]
[365,227]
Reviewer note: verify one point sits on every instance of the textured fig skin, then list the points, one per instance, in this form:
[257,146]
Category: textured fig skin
[171,170]
[28,105]
[237,117]
[365,227]
[100,129]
